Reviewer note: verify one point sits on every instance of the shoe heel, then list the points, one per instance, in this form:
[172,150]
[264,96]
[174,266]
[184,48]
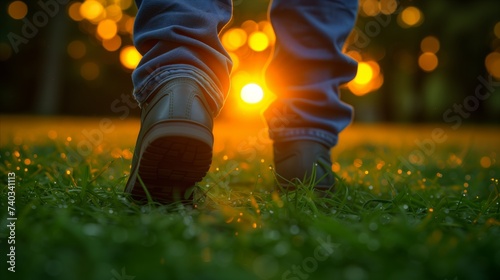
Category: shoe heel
[175,154]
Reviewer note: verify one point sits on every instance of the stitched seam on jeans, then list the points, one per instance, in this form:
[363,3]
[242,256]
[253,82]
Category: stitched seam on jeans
[294,132]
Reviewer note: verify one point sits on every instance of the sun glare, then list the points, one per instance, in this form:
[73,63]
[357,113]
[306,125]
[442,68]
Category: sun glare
[252,93]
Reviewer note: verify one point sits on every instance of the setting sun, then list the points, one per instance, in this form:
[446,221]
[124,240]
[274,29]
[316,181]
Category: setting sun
[252,93]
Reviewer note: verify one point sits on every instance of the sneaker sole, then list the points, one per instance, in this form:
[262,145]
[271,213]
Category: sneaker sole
[174,155]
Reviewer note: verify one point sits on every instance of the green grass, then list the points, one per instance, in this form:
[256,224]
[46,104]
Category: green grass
[74,222]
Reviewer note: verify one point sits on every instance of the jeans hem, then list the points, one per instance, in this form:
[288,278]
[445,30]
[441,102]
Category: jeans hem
[314,134]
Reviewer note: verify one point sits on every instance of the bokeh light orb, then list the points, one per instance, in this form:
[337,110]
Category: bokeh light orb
[107,29]
[428,61]
[411,16]
[430,44]
[258,41]
[364,73]
[252,93]
[130,57]
[91,9]
[17,10]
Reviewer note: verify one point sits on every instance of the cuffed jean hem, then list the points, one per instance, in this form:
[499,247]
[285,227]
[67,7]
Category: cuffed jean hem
[313,134]
[165,74]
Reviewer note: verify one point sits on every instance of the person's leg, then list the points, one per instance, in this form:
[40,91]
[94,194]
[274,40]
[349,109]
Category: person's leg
[179,38]
[305,71]
[180,84]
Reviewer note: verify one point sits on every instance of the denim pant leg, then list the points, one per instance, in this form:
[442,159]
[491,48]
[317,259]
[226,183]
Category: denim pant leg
[307,67]
[179,38]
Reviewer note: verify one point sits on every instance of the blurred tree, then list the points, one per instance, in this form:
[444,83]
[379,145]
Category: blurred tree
[81,66]
[48,98]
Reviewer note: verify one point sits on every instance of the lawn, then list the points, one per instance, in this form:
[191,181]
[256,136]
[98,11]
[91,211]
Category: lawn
[412,202]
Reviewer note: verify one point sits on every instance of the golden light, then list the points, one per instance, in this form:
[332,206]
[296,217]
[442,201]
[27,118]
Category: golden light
[336,167]
[368,78]
[262,24]
[492,63]
[114,12]
[127,154]
[89,71]
[76,49]
[388,7]
[496,29]
[5,51]
[17,10]
[430,44]
[358,89]
[267,28]
[364,74]
[112,44]
[375,68]
[428,61]
[129,25]
[235,59]
[52,134]
[377,82]
[250,26]
[411,16]
[354,55]
[74,11]
[370,7]
[124,4]
[107,29]
[239,79]
[485,162]
[252,93]
[234,38]
[258,41]
[130,57]
[91,9]
[122,28]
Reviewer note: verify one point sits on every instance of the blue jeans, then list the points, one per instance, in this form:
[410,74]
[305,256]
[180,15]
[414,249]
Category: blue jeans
[179,38]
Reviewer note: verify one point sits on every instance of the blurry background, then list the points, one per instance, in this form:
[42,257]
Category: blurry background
[416,59]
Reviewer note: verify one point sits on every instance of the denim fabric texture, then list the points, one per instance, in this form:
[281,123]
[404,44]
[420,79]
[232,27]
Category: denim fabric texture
[180,39]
